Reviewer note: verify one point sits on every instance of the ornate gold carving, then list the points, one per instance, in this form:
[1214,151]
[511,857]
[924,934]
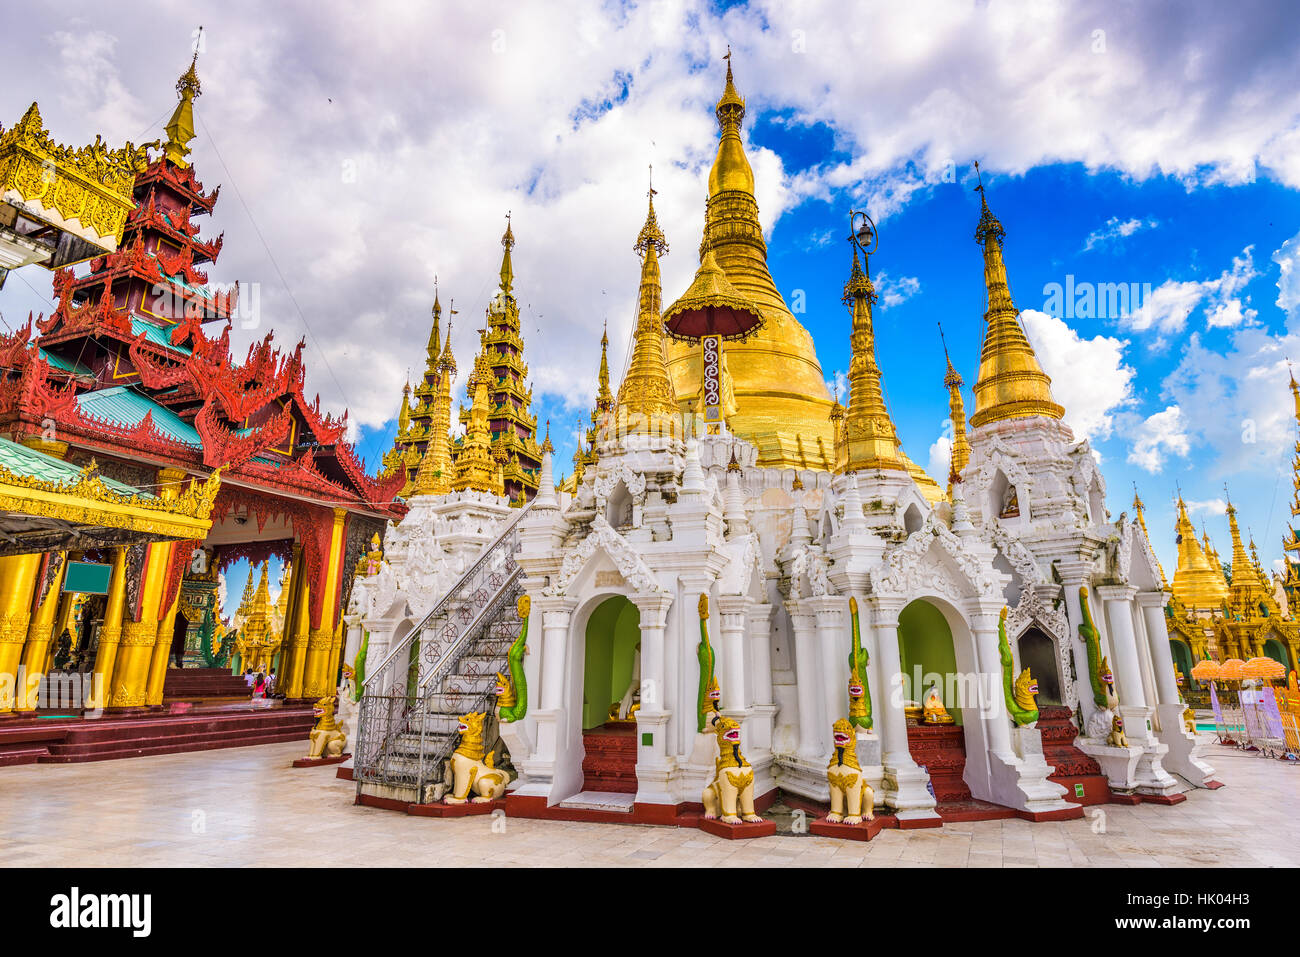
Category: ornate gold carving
[91,186]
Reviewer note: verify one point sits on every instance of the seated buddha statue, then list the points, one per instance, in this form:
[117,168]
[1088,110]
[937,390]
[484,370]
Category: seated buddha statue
[932,709]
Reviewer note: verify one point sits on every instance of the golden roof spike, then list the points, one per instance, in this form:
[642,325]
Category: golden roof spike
[959,456]
[646,398]
[604,398]
[1011,384]
[507,268]
[546,442]
[871,439]
[180,128]
[434,349]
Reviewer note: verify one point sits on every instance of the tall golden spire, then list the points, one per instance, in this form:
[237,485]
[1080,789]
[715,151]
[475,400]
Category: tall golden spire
[870,439]
[604,398]
[180,128]
[646,401]
[779,387]
[507,268]
[435,334]
[1197,583]
[1248,589]
[476,468]
[1011,384]
[1291,544]
[960,456]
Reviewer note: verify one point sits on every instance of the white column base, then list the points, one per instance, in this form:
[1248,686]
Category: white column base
[1185,748]
[1150,774]
[1033,791]
[656,771]
[758,727]
[905,788]
[520,746]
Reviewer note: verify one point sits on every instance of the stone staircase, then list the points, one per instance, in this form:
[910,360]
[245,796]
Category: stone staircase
[445,668]
[941,750]
[1072,769]
[609,761]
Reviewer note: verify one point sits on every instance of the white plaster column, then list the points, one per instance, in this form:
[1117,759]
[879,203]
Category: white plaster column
[1118,601]
[654,765]
[760,640]
[992,706]
[1074,574]
[733,610]
[556,616]
[760,676]
[833,643]
[904,783]
[807,682]
[1148,774]
[1184,757]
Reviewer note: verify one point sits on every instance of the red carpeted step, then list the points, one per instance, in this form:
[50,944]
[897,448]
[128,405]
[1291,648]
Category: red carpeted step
[204,683]
[609,762]
[1078,773]
[941,750]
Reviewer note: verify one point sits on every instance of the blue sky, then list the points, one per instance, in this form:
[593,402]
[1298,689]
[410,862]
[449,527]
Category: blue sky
[364,151]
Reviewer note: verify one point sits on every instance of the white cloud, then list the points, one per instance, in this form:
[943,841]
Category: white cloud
[940,459]
[1169,305]
[1089,377]
[1214,506]
[1162,434]
[1114,229]
[1287,258]
[894,291]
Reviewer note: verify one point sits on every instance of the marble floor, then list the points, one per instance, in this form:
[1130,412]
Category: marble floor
[247,806]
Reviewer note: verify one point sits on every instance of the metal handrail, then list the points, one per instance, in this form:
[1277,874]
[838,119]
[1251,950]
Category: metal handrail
[504,598]
[446,599]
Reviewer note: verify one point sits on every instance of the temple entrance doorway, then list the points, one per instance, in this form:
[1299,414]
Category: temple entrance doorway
[1274,649]
[935,699]
[611,696]
[1038,654]
[1182,656]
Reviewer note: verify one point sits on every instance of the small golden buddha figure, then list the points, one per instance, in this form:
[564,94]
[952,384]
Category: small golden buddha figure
[1010,503]
[932,709]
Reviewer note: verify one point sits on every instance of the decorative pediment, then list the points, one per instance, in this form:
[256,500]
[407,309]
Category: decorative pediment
[932,560]
[603,538]
[745,559]
[607,480]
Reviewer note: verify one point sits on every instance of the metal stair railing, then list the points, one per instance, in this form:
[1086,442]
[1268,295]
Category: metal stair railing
[390,693]
[431,757]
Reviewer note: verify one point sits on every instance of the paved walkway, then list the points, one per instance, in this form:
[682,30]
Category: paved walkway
[248,806]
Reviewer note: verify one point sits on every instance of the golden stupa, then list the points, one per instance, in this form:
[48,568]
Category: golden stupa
[782,403]
[1198,580]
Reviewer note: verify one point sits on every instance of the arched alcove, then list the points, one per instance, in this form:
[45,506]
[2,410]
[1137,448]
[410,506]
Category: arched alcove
[612,636]
[927,655]
[1038,654]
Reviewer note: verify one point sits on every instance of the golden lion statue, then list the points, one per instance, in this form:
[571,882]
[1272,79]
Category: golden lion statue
[328,738]
[471,772]
[852,799]
[1117,738]
[1189,720]
[731,794]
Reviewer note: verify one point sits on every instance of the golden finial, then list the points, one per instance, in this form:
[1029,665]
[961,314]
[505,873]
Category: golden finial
[1011,384]
[507,268]
[180,128]
[952,378]
[731,107]
[704,605]
[546,443]
[651,234]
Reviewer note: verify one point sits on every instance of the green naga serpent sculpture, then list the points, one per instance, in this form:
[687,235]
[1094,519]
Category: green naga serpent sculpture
[708,682]
[859,690]
[1019,692]
[1092,643]
[513,696]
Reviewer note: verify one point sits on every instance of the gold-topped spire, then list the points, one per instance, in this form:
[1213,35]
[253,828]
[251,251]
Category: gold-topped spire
[434,348]
[604,398]
[1198,583]
[779,387]
[180,128]
[646,401]
[546,442]
[960,453]
[1011,383]
[476,465]
[870,440]
[507,268]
